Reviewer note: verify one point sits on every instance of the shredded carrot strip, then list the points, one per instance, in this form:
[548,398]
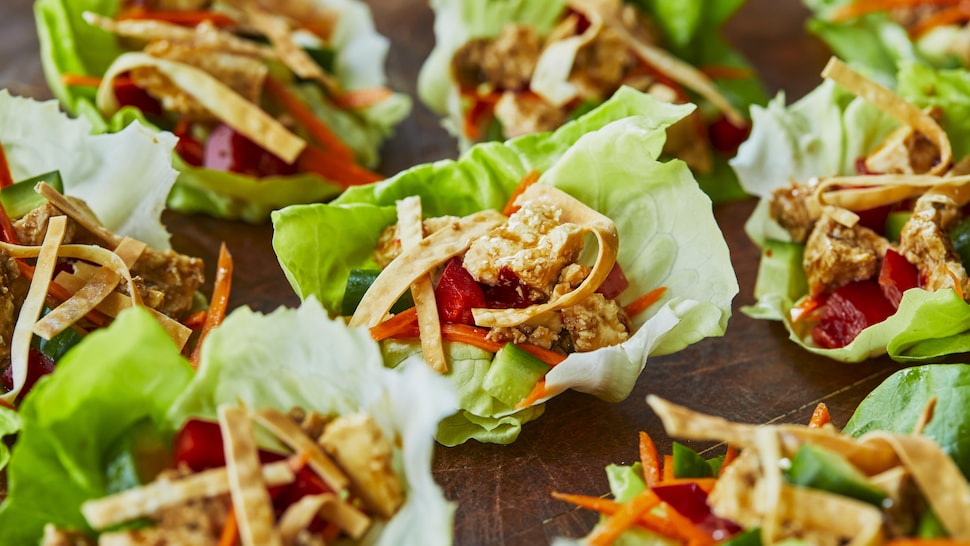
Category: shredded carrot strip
[230,530]
[298,460]
[529,179]
[959,13]
[474,335]
[706,484]
[7,405]
[729,457]
[626,516]
[482,108]
[405,321]
[336,169]
[314,125]
[608,507]
[667,474]
[724,72]
[186,18]
[820,417]
[804,308]
[195,320]
[6,177]
[864,7]
[650,460]
[7,232]
[644,302]
[956,282]
[537,392]
[80,80]
[219,302]
[362,98]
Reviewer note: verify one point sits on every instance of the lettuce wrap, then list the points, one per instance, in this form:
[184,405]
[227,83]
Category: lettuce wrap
[353,58]
[798,485]
[870,35]
[289,358]
[828,133]
[496,108]
[607,159]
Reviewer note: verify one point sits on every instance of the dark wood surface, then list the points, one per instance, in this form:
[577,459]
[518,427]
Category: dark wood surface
[753,374]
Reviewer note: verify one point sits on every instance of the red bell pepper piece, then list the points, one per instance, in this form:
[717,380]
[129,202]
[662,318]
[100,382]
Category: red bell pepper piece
[509,293]
[457,294]
[726,136]
[38,365]
[615,283]
[849,310]
[228,150]
[896,276]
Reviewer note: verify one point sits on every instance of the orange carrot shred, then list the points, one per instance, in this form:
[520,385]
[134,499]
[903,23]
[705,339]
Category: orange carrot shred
[298,460]
[729,457]
[7,405]
[609,507]
[195,320]
[475,336]
[362,98]
[853,10]
[344,172]
[219,302]
[804,308]
[959,13]
[820,417]
[705,484]
[650,460]
[406,320]
[537,392]
[230,530]
[667,473]
[626,516]
[529,179]
[644,302]
[686,528]
[314,125]
[184,18]
[80,80]
[6,177]
[60,294]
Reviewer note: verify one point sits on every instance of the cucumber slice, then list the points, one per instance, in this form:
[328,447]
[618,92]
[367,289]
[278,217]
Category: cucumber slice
[513,374]
[20,198]
[137,457]
[820,468]
[781,266]
[358,283]
[894,224]
[688,464]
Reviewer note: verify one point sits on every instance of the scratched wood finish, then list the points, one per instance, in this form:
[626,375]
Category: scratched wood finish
[753,374]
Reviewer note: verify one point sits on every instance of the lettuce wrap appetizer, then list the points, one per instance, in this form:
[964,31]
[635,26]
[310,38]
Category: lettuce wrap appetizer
[273,103]
[795,484]
[504,69]
[882,33]
[608,257]
[861,221]
[291,423]
[81,236]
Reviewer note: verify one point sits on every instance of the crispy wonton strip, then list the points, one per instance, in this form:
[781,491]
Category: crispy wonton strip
[79,215]
[224,103]
[894,105]
[32,306]
[116,302]
[939,478]
[89,296]
[852,520]
[250,499]
[671,66]
[573,211]
[294,437]
[299,516]
[550,79]
[204,35]
[409,266]
[869,191]
[768,448]
[410,229]
[292,55]
[148,499]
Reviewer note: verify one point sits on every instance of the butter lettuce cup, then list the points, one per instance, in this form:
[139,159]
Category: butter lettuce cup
[291,424]
[274,103]
[861,218]
[629,260]
[501,69]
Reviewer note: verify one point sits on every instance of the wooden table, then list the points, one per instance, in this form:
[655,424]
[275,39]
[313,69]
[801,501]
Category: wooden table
[753,374]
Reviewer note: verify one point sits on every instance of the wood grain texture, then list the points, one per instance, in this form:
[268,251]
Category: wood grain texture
[753,374]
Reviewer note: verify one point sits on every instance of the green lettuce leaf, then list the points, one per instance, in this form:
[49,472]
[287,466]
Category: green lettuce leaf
[124,177]
[607,159]
[10,424]
[897,403]
[291,357]
[878,43]
[71,46]
[823,134]
[692,29]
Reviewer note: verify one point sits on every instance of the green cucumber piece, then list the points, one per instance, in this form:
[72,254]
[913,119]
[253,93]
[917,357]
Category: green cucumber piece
[960,235]
[323,56]
[820,468]
[56,347]
[751,537]
[137,457]
[20,198]
[513,374]
[895,222]
[781,266]
[930,526]
[688,464]
[358,283]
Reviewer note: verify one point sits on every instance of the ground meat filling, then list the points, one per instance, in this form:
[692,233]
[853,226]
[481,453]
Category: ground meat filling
[836,255]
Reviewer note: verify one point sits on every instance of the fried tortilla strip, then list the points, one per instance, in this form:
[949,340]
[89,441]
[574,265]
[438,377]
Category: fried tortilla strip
[250,499]
[145,500]
[34,304]
[855,522]
[550,79]
[299,515]
[224,103]
[894,105]
[290,434]
[411,265]
[410,229]
[576,212]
